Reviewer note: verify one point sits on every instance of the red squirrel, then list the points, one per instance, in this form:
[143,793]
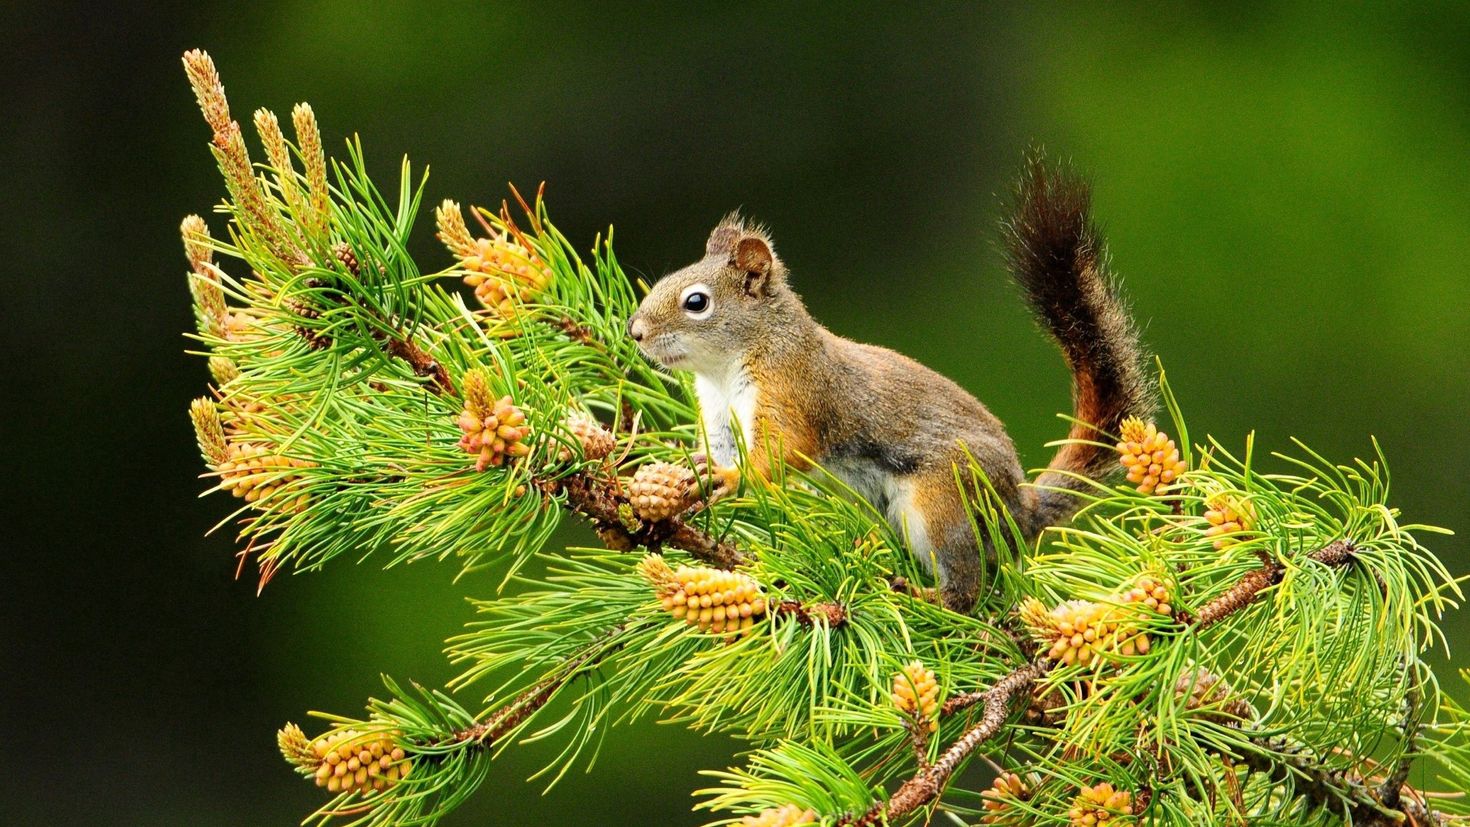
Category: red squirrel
[890,428]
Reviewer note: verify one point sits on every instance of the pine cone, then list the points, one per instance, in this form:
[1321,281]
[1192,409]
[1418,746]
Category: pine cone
[788,816]
[1046,705]
[998,800]
[493,431]
[1229,518]
[258,476]
[595,440]
[1101,804]
[712,599]
[916,693]
[1151,457]
[615,539]
[346,760]
[660,490]
[1212,697]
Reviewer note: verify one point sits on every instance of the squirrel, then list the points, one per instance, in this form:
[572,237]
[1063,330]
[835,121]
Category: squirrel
[890,428]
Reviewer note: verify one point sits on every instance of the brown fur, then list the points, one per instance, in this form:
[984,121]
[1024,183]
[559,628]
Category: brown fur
[895,430]
[1057,256]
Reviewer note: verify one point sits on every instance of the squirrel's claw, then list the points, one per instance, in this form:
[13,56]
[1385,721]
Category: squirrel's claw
[715,481]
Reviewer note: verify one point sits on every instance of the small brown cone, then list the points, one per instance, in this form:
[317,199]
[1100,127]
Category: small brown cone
[789,815]
[660,490]
[1101,804]
[1207,694]
[596,441]
[916,694]
[712,599]
[1046,707]
[1000,800]
[342,251]
[1150,456]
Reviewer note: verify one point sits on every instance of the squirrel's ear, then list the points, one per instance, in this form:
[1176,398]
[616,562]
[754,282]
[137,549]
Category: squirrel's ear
[753,258]
[723,238]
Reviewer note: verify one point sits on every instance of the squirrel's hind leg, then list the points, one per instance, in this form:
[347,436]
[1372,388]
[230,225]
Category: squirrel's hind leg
[928,509]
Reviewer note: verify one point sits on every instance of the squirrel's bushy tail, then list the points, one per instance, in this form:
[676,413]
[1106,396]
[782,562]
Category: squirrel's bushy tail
[1058,257]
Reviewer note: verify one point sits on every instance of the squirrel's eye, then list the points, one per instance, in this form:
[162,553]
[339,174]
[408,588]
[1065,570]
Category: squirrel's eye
[696,302]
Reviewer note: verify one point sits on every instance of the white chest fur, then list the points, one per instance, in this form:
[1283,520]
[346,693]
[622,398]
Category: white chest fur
[726,402]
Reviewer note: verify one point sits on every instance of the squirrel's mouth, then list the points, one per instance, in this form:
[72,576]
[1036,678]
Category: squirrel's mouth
[665,351]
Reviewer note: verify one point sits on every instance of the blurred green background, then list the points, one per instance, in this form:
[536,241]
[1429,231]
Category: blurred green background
[1285,187]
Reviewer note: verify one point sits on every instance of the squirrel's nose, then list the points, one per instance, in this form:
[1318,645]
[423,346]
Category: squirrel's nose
[637,328]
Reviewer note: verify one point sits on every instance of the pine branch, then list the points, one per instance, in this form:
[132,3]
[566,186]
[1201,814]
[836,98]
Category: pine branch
[507,717]
[403,347]
[927,784]
[1249,587]
[486,731]
[1332,792]
[317,423]
[399,345]
[607,509]
[1390,792]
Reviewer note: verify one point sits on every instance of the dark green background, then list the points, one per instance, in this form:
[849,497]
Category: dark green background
[1286,189]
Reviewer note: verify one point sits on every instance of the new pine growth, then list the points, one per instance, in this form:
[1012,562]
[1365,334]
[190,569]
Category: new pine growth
[494,429]
[712,599]
[1101,804]
[999,802]
[346,760]
[916,694]
[1149,456]
[501,270]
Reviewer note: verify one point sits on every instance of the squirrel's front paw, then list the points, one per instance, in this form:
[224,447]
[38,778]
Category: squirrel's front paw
[714,481]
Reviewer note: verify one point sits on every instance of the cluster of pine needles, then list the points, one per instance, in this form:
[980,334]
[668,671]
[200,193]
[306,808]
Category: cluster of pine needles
[1226,638]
